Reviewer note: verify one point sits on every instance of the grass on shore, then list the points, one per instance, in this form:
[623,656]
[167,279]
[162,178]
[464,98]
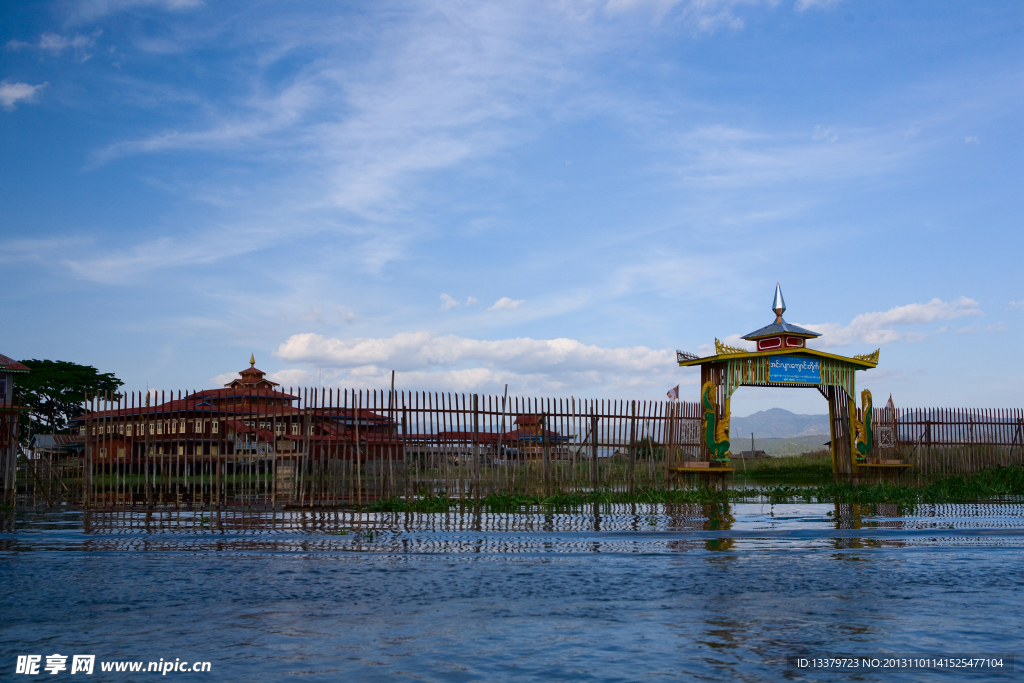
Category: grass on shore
[817,464]
[993,484]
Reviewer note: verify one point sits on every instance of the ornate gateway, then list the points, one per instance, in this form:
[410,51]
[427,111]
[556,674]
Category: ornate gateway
[782,359]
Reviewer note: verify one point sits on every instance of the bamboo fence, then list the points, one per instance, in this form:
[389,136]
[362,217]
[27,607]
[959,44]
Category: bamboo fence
[317,447]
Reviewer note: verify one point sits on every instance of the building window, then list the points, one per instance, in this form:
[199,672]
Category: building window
[182,427]
[110,428]
[159,427]
[199,449]
[295,428]
[181,450]
[199,426]
[214,449]
[152,427]
[216,428]
[311,430]
[94,430]
[120,429]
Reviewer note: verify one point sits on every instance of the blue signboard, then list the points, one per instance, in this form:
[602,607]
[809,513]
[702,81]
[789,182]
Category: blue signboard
[799,369]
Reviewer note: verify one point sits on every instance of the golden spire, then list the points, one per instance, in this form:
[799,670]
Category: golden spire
[252,360]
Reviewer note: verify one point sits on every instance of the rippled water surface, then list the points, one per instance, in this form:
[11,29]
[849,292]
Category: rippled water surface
[617,594]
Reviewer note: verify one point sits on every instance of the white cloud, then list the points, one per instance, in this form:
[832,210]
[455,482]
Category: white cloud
[1017,304]
[427,360]
[294,378]
[875,328]
[12,93]
[448,302]
[506,304]
[998,328]
[223,378]
[971,139]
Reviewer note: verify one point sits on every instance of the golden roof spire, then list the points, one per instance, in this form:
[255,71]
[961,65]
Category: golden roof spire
[252,360]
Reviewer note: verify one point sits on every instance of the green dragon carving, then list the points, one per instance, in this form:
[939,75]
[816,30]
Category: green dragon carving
[864,431]
[716,433]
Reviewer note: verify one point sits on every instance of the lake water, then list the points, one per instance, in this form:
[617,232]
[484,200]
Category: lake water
[702,593]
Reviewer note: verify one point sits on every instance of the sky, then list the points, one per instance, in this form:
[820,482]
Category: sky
[552,196]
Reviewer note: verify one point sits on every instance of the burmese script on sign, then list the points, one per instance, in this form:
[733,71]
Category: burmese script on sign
[794,369]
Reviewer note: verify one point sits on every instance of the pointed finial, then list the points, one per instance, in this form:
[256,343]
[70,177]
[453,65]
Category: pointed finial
[779,305]
[252,360]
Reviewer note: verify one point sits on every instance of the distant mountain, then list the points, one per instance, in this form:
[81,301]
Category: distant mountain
[776,423]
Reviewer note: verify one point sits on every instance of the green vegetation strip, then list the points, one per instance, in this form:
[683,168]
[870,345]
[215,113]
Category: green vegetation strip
[993,484]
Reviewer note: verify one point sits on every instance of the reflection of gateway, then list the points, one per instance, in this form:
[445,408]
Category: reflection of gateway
[782,359]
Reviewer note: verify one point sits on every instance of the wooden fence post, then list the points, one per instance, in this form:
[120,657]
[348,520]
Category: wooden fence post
[545,441]
[476,445]
[632,447]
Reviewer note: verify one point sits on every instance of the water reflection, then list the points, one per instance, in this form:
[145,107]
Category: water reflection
[694,592]
[632,528]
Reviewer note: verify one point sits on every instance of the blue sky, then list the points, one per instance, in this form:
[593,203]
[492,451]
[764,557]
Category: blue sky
[552,195]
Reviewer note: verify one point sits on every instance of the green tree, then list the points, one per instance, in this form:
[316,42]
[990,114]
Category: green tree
[54,392]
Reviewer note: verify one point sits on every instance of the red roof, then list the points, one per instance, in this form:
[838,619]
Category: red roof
[11,365]
[251,375]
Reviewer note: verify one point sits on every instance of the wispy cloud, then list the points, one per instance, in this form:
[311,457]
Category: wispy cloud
[1019,305]
[12,92]
[877,328]
[727,157]
[55,43]
[90,10]
[803,5]
[705,16]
